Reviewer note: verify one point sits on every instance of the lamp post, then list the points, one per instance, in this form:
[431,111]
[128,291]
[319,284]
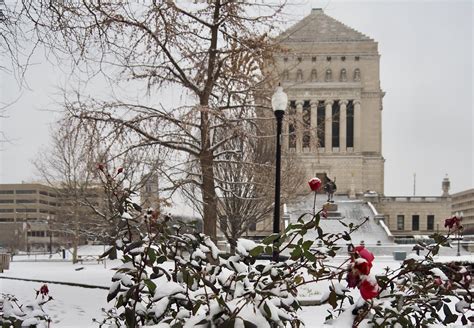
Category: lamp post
[459,216]
[279,103]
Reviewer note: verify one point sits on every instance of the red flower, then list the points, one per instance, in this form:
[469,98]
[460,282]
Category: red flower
[363,266]
[452,222]
[314,184]
[369,288]
[119,170]
[44,290]
[352,279]
[364,253]
[438,281]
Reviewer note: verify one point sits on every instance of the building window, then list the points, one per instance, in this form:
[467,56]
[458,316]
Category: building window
[415,222]
[285,76]
[343,76]
[252,226]
[430,222]
[6,201]
[328,75]
[314,75]
[313,59]
[306,124]
[350,124]
[6,192]
[25,192]
[300,59]
[25,201]
[6,219]
[6,210]
[400,222]
[292,125]
[299,75]
[328,58]
[357,75]
[335,124]
[321,123]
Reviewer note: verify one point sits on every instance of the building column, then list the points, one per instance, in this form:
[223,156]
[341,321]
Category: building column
[314,125]
[328,127]
[299,126]
[357,126]
[343,126]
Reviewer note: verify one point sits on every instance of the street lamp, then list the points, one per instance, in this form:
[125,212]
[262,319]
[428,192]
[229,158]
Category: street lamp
[279,103]
[459,216]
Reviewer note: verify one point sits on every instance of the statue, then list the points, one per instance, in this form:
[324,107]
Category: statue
[330,188]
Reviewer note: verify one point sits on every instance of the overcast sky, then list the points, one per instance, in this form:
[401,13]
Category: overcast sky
[426,71]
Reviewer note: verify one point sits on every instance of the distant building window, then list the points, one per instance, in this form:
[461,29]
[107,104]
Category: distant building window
[299,75]
[335,124]
[357,75]
[6,201]
[6,210]
[357,58]
[430,222]
[300,59]
[415,222]
[343,58]
[350,124]
[314,75]
[285,76]
[292,125]
[306,124]
[285,59]
[43,193]
[400,222]
[26,210]
[6,219]
[6,192]
[313,59]
[328,58]
[321,123]
[36,233]
[343,77]
[25,201]
[328,75]
[25,192]
[253,226]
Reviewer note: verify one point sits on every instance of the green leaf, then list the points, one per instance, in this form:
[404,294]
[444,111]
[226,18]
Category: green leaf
[296,253]
[310,256]
[307,244]
[256,251]
[129,317]
[450,317]
[150,284]
[333,299]
[270,239]
[267,310]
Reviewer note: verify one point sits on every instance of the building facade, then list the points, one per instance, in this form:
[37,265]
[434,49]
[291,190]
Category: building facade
[334,122]
[26,211]
[464,202]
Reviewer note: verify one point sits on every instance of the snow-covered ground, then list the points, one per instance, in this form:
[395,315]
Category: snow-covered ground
[77,306]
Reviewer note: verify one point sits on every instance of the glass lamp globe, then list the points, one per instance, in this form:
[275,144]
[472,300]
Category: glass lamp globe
[279,100]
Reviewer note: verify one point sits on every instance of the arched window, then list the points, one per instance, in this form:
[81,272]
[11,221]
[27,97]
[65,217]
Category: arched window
[328,75]
[357,75]
[299,75]
[285,76]
[314,75]
[343,77]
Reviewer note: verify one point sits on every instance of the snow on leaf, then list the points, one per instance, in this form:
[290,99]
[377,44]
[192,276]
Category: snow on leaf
[168,289]
[113,291]
[437,272]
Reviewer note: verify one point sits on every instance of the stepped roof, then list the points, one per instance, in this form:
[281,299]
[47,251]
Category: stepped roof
[319,27]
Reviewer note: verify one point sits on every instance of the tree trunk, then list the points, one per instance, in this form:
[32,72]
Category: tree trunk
[208,187]
[74,249]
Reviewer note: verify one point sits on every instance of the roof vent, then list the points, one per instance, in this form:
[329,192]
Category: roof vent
[316,10]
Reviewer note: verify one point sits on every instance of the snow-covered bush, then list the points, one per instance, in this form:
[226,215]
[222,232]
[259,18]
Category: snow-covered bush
[31,314]
[172,276]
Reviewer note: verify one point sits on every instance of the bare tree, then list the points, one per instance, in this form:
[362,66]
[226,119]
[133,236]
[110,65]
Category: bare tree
[212,51]
[81,164]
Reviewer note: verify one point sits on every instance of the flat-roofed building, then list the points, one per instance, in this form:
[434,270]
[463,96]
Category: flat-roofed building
[464,202]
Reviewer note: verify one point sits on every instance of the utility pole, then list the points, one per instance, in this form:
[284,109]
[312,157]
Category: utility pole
[414,184]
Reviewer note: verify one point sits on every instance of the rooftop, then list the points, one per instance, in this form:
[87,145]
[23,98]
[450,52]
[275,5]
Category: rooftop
[319,27]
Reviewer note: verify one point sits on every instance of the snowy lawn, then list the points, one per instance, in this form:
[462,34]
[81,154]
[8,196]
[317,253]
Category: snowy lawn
[77,306]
